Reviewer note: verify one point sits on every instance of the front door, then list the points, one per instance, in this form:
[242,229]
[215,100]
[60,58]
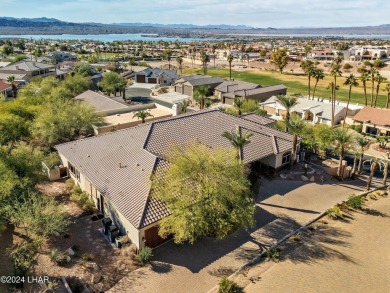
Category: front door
[152,239]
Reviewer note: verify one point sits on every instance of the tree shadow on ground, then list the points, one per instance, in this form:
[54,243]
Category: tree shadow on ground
[222,272]
[207,250]
[375,213]
[321,244]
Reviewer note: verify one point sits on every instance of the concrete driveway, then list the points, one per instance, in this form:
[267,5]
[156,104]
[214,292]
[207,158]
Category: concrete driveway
[282,206]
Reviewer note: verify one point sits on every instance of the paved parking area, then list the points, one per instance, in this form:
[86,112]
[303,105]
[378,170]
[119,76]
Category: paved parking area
[282,206]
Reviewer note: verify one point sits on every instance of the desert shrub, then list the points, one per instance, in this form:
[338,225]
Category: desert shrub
[273,254]
[334,213]
[69,183]
[355,201]
[347,66]
[76,190]
[87,257]
[228,286]
[296,237]
[145,255]
[57,257]
[357,127]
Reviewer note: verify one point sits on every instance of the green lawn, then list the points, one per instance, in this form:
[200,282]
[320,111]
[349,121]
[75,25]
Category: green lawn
[296,84]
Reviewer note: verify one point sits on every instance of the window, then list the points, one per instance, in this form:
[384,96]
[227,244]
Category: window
[74,171]
[286,158]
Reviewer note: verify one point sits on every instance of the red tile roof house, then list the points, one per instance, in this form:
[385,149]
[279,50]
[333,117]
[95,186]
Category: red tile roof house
[375,121]
[115,168]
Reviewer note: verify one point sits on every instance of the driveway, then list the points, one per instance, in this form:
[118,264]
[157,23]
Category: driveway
[282,206]
[344,256]
[140,93]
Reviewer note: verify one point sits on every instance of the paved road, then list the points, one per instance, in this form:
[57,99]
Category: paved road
[343,257]
[282,207]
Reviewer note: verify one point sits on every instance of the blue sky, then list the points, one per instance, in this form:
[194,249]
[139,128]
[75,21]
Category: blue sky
[258,13]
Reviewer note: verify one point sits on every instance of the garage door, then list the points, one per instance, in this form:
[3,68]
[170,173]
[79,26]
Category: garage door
[141,78]
[187,90]
[152,80]
[152,239]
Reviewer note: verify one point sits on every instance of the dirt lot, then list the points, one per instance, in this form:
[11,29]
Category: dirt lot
[95,258]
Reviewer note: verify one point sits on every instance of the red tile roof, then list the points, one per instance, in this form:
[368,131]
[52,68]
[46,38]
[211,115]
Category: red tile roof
[374,116]
[4,85]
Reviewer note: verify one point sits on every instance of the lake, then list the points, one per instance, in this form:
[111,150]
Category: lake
[154,38]
[107,37]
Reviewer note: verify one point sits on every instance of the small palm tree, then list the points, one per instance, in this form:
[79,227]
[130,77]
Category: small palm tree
[200,95]
[230,59]
[11,81]
[373,165]
[179,61]
[184,106]
[205,59]
[350,81]
[238,140]
[361,142]
[387,89]
[342,137]
[318,75]
[296,126]
[308,67]
[288,103]
[238,103]
[143,114]
[335,72]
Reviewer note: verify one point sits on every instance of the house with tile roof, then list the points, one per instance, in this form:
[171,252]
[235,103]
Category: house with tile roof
[156,76]
[312,111]
[30,69]
[229,89]
[375,121]
[186,85]
[115,168]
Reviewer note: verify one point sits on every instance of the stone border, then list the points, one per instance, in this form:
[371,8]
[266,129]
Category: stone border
[258,258]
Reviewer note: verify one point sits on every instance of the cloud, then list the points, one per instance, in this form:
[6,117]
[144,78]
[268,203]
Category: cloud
[265,13]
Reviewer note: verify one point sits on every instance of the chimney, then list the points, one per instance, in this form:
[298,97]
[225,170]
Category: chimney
[120,165]
[17,67]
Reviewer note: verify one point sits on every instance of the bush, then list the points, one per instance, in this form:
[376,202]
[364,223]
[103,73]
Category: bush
[357,127]
[145,255]
[228,286]
[334,213]
[355,201]
[87,257]
[273,254]
[76,190]
[347,66]
[69,184]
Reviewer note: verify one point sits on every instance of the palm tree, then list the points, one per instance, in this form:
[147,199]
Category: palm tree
[373,72]
[342,137]
[379,79]
[288,103]
[238,103]
[200,95]
[143,114]
[308,67]
[11,81]
[230,60]
[351,80]
[335,72]
[373,165]
[179,60]
[317,74]
[238,140]
[213,49]
[338,59]
[365,77]
[296,127]
[387,89]
[385,165]
[362,142]
[205,59]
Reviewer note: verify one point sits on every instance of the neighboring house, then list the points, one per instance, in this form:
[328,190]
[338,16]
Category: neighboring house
[5,88]
[375,121]
[312,111]
[115,168]
[4,64]
[30,69]
[326,54]
[157,76]
[187,85]
[367,53]
[118,115]
[227,90]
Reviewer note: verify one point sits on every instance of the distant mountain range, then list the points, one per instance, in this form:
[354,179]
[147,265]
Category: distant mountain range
[43,25]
